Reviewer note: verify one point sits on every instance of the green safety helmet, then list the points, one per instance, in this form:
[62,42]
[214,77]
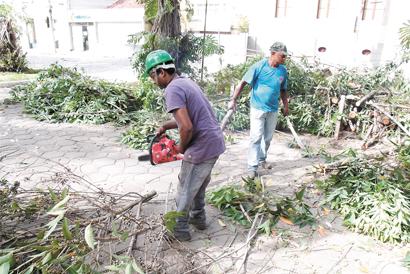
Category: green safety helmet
[156,59]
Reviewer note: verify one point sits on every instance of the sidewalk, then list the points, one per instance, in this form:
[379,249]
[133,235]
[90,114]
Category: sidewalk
[101,67]
[34,151]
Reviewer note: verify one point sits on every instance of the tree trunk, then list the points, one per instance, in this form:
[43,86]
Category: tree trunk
[52,24]
[167,24]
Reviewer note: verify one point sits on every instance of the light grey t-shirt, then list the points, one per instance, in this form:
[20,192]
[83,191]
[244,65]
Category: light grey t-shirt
[207,140]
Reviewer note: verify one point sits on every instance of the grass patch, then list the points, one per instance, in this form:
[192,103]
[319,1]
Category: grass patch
[16,76]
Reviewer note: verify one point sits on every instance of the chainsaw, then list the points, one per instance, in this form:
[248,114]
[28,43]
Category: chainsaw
[161,150]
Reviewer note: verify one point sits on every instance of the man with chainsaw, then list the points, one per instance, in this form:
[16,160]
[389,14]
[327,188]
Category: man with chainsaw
[201,139]
[268,79]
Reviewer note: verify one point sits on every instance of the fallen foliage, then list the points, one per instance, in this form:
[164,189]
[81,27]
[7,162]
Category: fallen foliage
[62,94]
[65,230]
[372,194]
[241,204]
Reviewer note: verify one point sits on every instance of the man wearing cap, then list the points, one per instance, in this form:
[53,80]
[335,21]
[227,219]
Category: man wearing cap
[201,139]
[268,79]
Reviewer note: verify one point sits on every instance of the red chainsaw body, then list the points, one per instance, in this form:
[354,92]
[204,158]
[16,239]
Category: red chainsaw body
[165,151]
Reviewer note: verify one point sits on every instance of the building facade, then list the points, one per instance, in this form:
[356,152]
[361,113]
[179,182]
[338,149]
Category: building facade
[347,32]
[63,26]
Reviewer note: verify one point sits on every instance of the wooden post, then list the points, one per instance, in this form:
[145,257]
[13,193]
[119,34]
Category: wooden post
[339,117]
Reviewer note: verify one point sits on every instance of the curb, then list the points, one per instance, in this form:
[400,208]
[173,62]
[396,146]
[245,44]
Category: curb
[13,83]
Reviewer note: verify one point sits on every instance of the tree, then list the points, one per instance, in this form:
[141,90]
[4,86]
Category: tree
[404,36]
[166,34]
[12,57]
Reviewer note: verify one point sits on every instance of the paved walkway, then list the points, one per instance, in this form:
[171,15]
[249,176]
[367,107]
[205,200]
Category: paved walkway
[101,67]
[32,151]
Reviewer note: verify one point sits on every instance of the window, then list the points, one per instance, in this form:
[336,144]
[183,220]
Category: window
[213,10]
[373,10]
[281,6]
[326,8]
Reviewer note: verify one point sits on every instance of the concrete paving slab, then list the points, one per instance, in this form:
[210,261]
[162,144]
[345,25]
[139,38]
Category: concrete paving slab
[94,153]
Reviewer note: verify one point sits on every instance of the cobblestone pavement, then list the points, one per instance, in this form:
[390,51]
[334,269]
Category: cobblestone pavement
[102,67]
[31,151]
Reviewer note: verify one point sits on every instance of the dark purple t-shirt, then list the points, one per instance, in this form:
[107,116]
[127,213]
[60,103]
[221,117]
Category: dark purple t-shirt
[207,139]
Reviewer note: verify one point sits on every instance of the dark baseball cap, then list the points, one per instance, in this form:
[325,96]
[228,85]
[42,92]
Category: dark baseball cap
[279,46]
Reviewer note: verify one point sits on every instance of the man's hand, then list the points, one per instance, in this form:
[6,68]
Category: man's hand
[180,149]
[160,132]
[286,111]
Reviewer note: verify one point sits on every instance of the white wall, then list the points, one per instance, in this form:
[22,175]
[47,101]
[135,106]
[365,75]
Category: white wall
[110,28]
[303,33]
[235,52]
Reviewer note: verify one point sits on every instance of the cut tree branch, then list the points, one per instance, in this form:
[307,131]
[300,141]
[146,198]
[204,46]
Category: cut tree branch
[388,115]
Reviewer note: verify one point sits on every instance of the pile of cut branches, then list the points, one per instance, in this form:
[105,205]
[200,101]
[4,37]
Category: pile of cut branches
[66,230]
[373,194]
[325,101]
[241,204]
[64,95]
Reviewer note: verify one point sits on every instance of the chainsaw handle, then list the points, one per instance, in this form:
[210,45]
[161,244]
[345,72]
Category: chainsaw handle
[154,138]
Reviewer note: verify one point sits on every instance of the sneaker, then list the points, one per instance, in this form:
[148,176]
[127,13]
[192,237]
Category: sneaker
[181,236]
[265,165]
[252,174]
[199,224]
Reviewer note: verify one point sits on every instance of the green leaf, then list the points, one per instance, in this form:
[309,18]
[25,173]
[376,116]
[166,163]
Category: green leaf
[60,260]
[125,235]
[40,235]
[128,269]
[136,268]
[89,237]
[66,230]
[30,270]
[299,195]
[61,203]
[169,226]
[70,269]
[64,193]
[115,232]
[6,258]
[53,224]
[266,227]
[41,248]
[47,258]
[115,267]
[4,268]
[173,214]
[53,195]
[15,206]
[7,250]
[54,243]
[120,258]
[406,259]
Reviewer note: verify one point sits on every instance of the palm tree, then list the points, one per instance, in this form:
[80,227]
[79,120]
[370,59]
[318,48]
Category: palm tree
[404,36]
